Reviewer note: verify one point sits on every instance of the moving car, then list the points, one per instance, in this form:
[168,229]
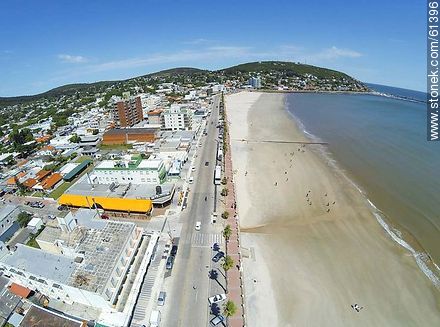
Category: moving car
[218,256]
[191,180]
[217,298]
[217,320]
[206,163]
[198,225]
[193,168]
[161,298]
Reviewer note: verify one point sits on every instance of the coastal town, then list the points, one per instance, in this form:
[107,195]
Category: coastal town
[117,202]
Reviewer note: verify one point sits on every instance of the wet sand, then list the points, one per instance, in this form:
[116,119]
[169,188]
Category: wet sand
[315,246]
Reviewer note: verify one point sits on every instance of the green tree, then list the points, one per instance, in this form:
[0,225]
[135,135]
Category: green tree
[224,180]
[75,138]
[228,263]
[23,218]
[224,191]
[227,232]
[230,309]
[225,215]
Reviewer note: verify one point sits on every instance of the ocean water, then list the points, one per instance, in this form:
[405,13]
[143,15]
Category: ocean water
[379,142]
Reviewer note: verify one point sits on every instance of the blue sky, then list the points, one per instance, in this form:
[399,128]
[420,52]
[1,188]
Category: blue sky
[45,44]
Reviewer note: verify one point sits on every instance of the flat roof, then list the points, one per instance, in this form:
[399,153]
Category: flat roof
[7,210]
[40,263]
[134,191]
[102,249]
[67,168]
[41,317]
[150,164]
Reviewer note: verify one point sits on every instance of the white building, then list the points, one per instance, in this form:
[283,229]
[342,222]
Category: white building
[255,82]
[177,118]
[84,261]
[131,169]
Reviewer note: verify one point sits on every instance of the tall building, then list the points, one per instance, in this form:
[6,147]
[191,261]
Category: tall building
[177,118]
[128,112]
[255,82]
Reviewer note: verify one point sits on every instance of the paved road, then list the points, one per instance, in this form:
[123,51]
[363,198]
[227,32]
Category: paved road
[188,286]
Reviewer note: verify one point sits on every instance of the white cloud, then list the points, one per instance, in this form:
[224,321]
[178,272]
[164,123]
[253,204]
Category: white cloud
[207,54]
[335,53]
[197,41]
[183,57]
[72,59]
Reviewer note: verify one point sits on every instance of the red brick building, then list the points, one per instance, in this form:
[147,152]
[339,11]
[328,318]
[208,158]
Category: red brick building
[128,112]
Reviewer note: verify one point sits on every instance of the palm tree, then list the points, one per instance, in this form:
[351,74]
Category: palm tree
[227,232]
[230,309]
[228,263]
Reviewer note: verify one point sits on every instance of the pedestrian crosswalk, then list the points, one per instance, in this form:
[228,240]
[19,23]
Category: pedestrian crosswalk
[206,239]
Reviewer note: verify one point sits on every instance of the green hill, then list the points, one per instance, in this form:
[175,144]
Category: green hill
[290,68]
[286,68]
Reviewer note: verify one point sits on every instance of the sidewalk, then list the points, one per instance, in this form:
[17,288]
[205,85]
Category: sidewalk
[235,274]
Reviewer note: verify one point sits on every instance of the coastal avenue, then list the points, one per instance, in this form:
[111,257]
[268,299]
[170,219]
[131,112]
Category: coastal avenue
[189,285]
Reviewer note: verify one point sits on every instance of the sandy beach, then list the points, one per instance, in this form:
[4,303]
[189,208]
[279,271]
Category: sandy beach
[313,244]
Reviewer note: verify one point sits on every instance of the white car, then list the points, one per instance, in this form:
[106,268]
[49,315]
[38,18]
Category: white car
[217,298]
[191,180]
[193,168]
[198,224]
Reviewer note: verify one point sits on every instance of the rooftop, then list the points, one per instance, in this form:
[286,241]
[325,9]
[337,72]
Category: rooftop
[35,261]
[40,317]
[102,249]
[133,191]
[134,163]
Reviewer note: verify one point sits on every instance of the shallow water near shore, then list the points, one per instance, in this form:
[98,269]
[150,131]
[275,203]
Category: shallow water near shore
[380,142]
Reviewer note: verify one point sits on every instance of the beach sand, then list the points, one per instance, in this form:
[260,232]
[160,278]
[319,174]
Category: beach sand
[314,245]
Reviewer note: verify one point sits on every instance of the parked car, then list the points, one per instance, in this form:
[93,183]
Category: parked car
[155,318]
[174,250]
[198,225]
[170,262]
[218,256]
[217,320]
[63,207]
[217,298]
[213,274]
[105,217]
[206,163]
[161,298]
[215,309]
[216,247]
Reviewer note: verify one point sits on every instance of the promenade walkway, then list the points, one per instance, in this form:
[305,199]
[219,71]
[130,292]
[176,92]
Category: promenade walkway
[235,282]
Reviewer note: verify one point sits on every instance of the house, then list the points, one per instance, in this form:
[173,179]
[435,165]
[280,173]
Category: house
[47,150]
[52,181]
